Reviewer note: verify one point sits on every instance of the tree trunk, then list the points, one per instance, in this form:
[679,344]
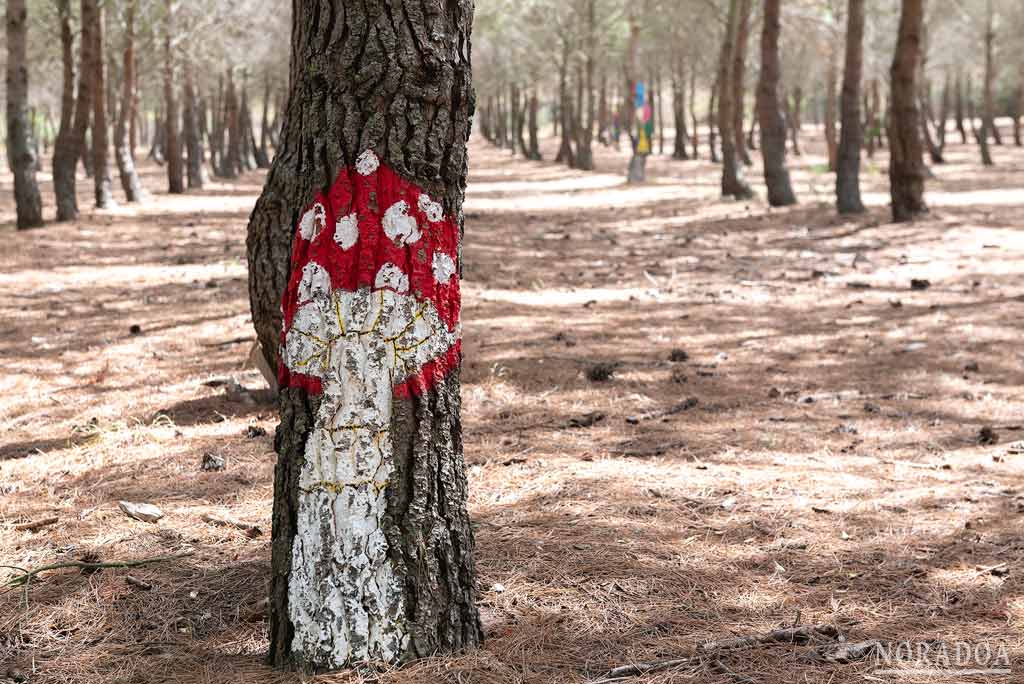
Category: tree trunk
[848,200]
[565,152]
[637,171]
[739,70]
[21,154]
[602,111]
[534,149]
[372,550]
[906,166]
[796,120]
[940,124]
[172,146]
[102,183]
[1018,109]
[693,113]
[733,184]
[773,125]
[712,128]
[122,137]
[233,155]
[585,134]
[245,121]
[193,139]
[74,119]
[988,116]
[830,109]
[262,154]
[960,107]
[678,82]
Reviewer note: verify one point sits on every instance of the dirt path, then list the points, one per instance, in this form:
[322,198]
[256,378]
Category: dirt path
[829,468]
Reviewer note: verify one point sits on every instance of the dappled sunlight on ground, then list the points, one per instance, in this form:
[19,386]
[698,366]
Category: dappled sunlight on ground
[783,427]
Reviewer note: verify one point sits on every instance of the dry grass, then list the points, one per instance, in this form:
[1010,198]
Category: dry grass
[830,470]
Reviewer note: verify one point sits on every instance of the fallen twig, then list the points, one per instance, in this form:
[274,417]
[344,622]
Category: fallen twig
[28,575]
[250,530]
[36,524]
[791,635]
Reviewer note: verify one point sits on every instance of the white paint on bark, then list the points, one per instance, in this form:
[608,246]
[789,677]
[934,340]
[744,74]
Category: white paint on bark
[367,163]
[346,231]
[345,600]
[313,222]
[443,267]
[399,226]
[433,210]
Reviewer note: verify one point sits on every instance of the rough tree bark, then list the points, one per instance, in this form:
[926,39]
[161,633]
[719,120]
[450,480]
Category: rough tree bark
[193,138]
[851,137]
[372,551]
[733,184]
[773,124]
[172,144]
[906,165]
[122,134]
[21,154]
[102,184]
[74,118]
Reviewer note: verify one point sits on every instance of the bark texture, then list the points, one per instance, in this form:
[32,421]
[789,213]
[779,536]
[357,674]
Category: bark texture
[393,78]
[21,153]
[733,184]
[69,142]
[851,138]
[102,184]
[769,114]
[172,139]
[906,165]
[122,133]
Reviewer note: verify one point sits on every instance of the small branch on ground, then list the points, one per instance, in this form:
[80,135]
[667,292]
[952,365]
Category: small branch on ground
[28,575]
[36,524]
[791,635]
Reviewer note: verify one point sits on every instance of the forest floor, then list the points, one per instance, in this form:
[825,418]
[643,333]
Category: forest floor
[792,432]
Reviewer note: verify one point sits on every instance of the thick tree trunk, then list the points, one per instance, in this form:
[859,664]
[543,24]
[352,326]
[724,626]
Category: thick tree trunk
[585,135]
[739,70]
[565,155]
[372,552]
[906,166]
[848,200]
[988,116]
[172,146]
[122,138]
[193,138]
[102,183]
[773,125]
[733,184]
[21,154]
[74,119]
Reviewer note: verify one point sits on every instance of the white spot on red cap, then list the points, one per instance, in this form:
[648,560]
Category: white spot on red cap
[315,283]
[346,231]
[391,277]
[433,210]
[444,267]
[367,163]
[399,226]
[313,221]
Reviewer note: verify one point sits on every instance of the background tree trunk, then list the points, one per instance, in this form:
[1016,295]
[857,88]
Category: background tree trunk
[233,155]
[122,137]
[739,70]
[422,548]
[678,82]
[73,122]
[988,116]
[796,120]
[262,152]
[733,184]
[193,138]
[906,166]
[960,107]
[693,113]
[637,172]
[172,144]
[830,109]
[848,200]
[534,150]
[21,154]
[102,183]
[773,125]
